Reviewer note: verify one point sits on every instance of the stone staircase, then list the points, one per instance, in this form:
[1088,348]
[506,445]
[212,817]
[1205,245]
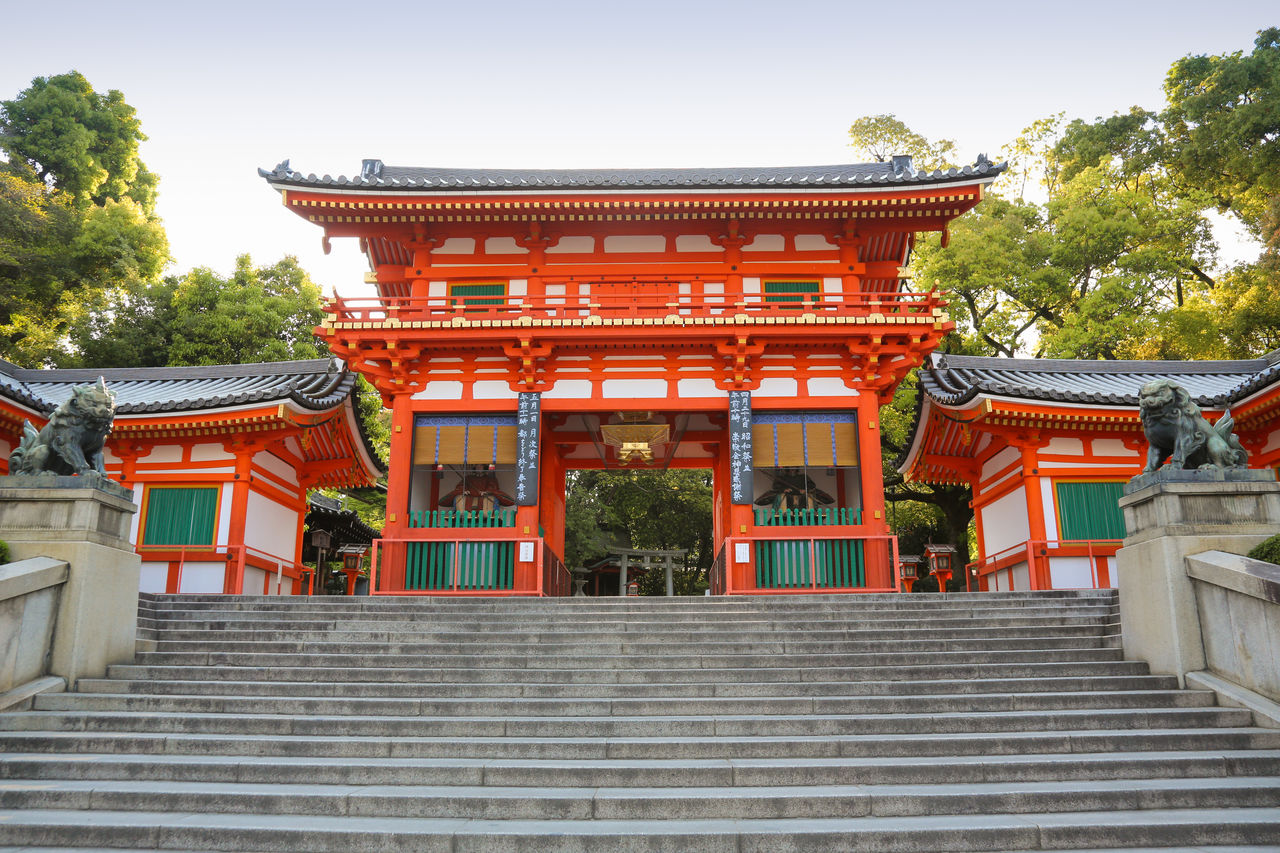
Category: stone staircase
[993,721]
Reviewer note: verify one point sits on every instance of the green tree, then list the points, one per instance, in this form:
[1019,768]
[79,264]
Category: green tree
[77,215]
[79,141]
[642,509]
[879,137]
[256,314]
[1223,127]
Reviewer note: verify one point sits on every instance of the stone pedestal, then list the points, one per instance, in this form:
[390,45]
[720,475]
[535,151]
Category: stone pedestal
[84,521]
[1168,519]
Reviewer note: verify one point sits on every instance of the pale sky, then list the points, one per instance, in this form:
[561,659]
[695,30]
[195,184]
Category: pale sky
[226,87]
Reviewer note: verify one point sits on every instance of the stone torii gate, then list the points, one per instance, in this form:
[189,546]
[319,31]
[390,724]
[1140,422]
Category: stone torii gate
[646,560]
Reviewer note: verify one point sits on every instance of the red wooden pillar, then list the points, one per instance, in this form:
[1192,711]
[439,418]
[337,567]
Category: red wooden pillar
[878,551]
[400,469]
[1037,567]
[234,579]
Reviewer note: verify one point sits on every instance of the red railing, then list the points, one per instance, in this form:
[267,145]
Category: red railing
[879,553]
[536,570]
[653,299]
[717,577]
[557,579]
[235,557]
[1038,554]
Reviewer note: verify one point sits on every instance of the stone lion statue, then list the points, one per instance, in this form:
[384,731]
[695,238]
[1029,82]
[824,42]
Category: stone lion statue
[71,443]
[1178,432]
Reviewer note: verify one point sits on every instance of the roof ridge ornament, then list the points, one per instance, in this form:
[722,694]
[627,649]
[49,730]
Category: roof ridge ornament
[371,169]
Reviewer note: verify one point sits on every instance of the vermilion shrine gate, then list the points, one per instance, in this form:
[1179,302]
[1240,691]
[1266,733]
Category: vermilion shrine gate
[526,323]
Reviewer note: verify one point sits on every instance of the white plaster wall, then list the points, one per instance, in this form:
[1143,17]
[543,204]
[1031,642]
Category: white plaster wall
[1273,441]
[277,466]
[1046,501]
[210,453]
[751,285]
[766,243]
[1004,522]
[253,579]
[203,577]
[440,389]
[832,285]
[1070,573]
[137,516]
[569,389]
[812,243]
[999,462]
[700,388]
[270,527]
[648,389]
[1021,577]
[571,245]
[489,389]
[695,243]
[1062,446]
[224,515]
[635,243]
[457,245]
[829,386]
[503,246]
[1112,447]
[779,387]
[1112,577]
[164,453]
[154,577]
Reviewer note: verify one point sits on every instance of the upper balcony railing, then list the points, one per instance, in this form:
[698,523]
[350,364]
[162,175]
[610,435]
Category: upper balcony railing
[630,298]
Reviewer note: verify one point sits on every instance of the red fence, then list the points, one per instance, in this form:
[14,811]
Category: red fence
[1037,555]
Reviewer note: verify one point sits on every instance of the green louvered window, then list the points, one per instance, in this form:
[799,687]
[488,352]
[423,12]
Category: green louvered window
[491,293]
[181,516]
[1090,510]
[804,292]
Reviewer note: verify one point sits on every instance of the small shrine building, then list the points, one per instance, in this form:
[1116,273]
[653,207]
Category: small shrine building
[219,458]
[1047,445]
[524,323]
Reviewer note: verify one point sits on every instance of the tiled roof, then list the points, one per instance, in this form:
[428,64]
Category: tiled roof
[16,390]
[315,384]
[374,175]
[957,379]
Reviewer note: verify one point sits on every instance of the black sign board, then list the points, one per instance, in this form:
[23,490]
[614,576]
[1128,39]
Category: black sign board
[740,484]
[528,421]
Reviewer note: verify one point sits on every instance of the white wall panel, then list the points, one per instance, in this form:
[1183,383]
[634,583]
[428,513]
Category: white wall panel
[203,577]
[154,577]
[271,527]
[1004,522]
[1070,573]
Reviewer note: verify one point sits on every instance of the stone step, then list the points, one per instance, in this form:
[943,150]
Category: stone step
[810,601]
[492,802]
[379,633]
[738,771]
[579,748]
[462,675]
[650,705]
[942,833]
[688,726]
[941,659]
[287,643]
[385,689]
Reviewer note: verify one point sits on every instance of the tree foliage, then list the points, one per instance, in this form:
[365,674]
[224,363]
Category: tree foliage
[879,137]
[643,509]
[81,142]
[76,213]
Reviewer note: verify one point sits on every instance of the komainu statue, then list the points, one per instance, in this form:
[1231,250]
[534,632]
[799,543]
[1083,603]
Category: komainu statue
[1178,432]
[71,443]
